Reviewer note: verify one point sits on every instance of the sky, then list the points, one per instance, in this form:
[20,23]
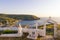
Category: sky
[40,8]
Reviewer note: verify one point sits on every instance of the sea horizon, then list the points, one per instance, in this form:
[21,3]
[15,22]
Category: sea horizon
[57,19]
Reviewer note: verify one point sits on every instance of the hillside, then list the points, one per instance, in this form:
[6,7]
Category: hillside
[12,18]
[20,17]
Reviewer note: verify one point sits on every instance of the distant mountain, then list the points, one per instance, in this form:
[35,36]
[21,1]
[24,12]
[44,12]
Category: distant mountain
[20,17]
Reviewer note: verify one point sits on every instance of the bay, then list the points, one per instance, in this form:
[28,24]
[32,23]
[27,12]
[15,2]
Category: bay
[40,21]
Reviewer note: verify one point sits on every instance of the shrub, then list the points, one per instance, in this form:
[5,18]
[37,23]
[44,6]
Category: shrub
[9,32]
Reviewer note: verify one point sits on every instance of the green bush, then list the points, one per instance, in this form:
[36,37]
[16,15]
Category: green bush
[9,32]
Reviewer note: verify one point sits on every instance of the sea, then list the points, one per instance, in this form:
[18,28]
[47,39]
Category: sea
[40,21]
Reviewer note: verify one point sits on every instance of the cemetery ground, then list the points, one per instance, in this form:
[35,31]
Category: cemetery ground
[24,37]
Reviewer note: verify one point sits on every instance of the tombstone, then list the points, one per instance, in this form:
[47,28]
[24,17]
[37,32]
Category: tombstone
[20,30]
[33,34]
[55,26]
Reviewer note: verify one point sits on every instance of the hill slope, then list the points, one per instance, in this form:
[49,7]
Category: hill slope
[11,19]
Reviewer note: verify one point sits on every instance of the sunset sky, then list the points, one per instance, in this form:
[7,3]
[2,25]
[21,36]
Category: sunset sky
[40,8]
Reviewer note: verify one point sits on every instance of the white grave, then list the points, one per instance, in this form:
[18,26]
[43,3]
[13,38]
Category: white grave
[33,34]
[55,26]
[19,34]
